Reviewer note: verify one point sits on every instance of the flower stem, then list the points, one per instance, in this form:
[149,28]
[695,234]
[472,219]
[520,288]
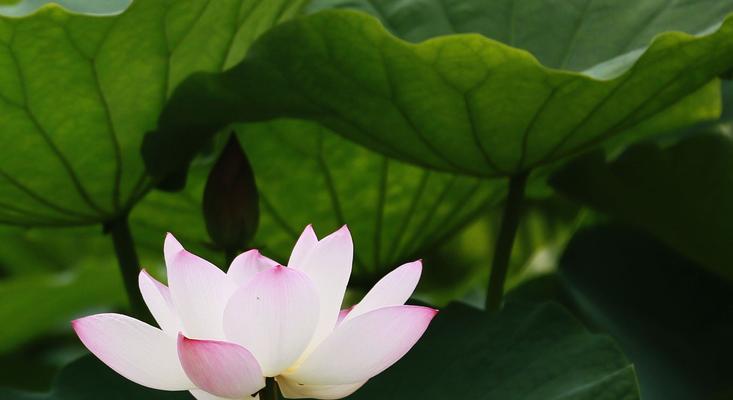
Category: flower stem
[271,391]
[505,241]
[129,264]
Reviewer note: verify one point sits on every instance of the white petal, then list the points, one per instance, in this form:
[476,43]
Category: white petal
[135,350]
[329,266]
[274,316]
[364,346]
[171,248]
[392,290]
[200,292]
[247,265]
[303,247]
[201,395]
[220,368]
[158,299]
[293,390]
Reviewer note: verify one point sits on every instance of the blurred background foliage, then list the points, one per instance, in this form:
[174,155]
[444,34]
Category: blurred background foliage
[634,242]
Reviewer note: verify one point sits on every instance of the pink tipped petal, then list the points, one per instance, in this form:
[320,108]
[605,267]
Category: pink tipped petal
[158,299]
[392,290]
[303,247]
[171,248]
[220,368]
[343,314]
[364,346]
[293,390]
[329,267]
[274,316]
[200,292]
[247,265]
[135,350]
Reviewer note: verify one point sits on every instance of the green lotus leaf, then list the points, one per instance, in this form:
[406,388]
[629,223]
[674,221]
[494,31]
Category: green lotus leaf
[307,175]
[5,3]
[18,8]
[576,35]
[675,314]
[682,194]
[466,103]
[526,352]
[78,92]
[395,211]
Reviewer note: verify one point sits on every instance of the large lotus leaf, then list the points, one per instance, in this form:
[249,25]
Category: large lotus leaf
[28,251]
[179,213]
[674,322]
[682,194]
[464,103]
[564,34]
[525,352]
[17,8]
[307,175]
[78,92]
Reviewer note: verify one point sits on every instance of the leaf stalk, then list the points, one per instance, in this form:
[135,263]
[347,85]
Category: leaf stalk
[505,241]
[129,263]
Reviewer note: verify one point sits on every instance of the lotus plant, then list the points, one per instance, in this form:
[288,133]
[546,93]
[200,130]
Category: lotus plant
[221,334]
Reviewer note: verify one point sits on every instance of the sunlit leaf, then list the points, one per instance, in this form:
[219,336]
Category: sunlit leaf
[394,210]
[16,8]
[561,34]
[307,175]
[78,92]
[466,103]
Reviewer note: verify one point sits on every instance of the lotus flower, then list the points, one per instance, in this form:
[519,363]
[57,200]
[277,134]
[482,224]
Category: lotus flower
[222,333]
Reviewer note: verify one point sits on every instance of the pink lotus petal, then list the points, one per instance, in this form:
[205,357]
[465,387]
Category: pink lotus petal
[135,350]
[171,248]
[274,316]
[329,266]
[293,390]
[220,368]
[363,347]
[303,247]
[199,291]
[158,299]
[343,314]
[392,290]
[247,265]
